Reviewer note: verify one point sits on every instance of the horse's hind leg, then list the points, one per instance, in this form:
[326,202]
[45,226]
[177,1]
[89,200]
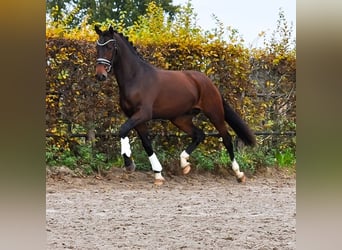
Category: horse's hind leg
[142,131]
[217,118]
[185,123]
[227,141]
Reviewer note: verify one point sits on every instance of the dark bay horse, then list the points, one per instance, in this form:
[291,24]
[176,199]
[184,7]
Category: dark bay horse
[147,92]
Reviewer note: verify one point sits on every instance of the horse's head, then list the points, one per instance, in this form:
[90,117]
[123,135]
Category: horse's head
[106,50]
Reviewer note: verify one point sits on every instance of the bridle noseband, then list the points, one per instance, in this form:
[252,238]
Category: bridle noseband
[105,61]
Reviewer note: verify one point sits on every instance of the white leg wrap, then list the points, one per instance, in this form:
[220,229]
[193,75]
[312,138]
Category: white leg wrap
[156,166]
[184,156]
[236,168]
[125,147]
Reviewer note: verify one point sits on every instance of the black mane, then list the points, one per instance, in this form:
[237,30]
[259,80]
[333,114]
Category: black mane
[130,44]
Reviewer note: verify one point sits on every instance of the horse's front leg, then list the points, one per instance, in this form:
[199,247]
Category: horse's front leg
[137,121]
[125,146]
[142,131]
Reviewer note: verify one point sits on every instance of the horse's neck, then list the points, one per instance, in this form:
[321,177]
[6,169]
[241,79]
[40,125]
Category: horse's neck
[126,74]
[129,68]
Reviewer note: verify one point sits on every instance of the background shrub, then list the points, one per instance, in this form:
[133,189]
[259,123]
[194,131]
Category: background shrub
[260,83]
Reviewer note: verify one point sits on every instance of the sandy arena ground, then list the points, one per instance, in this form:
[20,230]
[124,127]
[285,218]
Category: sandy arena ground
[197,211]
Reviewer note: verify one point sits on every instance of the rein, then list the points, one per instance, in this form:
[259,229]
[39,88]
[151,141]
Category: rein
[104,60]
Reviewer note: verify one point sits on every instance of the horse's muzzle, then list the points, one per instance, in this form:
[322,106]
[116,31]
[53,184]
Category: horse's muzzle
[101,77]
[101,72]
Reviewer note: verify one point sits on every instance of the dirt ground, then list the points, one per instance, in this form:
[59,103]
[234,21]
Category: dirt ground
[197,211]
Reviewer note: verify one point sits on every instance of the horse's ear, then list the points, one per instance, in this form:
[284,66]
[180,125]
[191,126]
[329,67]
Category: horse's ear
[111,30]
[97,29]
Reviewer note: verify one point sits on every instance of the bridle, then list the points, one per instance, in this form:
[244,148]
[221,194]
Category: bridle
[105,61]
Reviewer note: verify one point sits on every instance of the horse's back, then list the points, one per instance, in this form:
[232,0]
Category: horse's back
[186,91]
[188,80]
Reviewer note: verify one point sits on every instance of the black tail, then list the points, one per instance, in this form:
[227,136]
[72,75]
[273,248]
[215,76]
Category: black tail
[238,125]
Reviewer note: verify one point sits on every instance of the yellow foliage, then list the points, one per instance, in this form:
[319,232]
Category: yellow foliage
[258,83]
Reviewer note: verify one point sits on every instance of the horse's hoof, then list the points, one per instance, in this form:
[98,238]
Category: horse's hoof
[159,182]
[187,169]
[130,168]
[241,179]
